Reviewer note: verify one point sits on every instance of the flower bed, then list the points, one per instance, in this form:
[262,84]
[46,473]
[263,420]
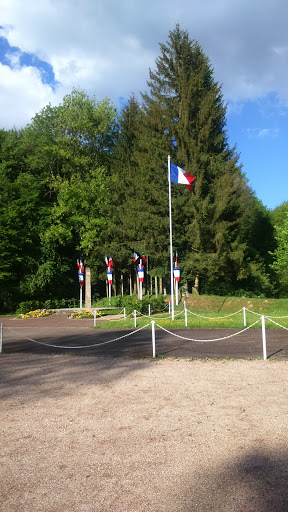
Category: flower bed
[38,313]
[84,313]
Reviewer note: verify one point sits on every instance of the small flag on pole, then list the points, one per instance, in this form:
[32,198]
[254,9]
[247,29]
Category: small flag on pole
[109,275]
[140,270]
[136,256]
[178,175]
[109,264]
[80,272]
[176,269]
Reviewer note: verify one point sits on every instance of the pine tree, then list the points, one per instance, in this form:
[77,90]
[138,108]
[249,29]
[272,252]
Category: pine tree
[191,115]
[141,213]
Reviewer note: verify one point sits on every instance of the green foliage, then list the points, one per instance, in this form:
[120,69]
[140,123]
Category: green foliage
[280,264]
[132,302]
[32,305]
[80,180]
[54,178]
[186,117]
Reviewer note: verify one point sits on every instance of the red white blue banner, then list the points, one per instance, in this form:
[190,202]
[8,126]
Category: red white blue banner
[140,270]
[80,272]
[178,175]
[109,262]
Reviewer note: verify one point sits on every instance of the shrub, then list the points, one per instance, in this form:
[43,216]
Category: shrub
[132,302]
[32,305]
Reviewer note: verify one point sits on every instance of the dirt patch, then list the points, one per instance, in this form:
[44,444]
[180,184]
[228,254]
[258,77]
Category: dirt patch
[96,434]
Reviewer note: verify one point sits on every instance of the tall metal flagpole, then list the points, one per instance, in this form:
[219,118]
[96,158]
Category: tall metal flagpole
[171,243]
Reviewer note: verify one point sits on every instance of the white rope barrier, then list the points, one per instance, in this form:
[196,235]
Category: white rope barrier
[276,316]
[207,341]
[215,317]
[161,317]
[152,323]
[254,312]
[269,318]
[82,346]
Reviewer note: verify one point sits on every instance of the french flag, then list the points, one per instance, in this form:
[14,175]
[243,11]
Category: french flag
[109,262]
[140,270]
[109,275]
[136,256]
[178,175]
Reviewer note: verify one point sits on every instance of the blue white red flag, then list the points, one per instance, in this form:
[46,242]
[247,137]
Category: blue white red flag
[178,175]
[136,256]
[140,270]
[176,269]
[80,272]
[109,262]
[109,275]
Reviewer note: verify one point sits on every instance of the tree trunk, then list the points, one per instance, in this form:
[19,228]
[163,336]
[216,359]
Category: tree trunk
[161,286]
[130,284]
[196,285]
[156,286]
[87,288]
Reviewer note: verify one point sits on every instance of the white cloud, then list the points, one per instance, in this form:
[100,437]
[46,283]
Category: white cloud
[106,47]
[268,132]
[14,59]
[22,94]
[262,133]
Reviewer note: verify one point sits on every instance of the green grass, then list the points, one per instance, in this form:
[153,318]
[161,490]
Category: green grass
[212,308]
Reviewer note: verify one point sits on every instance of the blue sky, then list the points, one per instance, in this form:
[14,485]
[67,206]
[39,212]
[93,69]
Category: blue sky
[106,48]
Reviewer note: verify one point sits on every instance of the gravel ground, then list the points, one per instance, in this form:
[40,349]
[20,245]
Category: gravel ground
[99,434]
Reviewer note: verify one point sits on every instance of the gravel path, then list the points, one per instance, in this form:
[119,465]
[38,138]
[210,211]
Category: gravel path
[101,434]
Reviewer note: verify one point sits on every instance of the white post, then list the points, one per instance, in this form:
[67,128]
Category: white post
[153,338]
[171,244]
[264,338]
[135,315]
[124,312]
[109,294]
[95,318]
[176,293]
[80,297]
[1,337]
[149,310]
[244,316]
[140,290]
[169,308]
[185,317]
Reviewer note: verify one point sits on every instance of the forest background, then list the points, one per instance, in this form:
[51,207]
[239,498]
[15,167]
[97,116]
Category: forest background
[83,180]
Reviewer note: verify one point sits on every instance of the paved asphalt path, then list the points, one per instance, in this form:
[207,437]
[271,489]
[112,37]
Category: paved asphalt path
[63,332]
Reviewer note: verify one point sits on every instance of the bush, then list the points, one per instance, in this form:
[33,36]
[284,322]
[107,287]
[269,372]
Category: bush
[132,302]
[27,306]
[32,305]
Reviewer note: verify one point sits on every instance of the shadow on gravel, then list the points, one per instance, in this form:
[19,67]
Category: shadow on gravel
[257,483]
[32,377]
[225,343]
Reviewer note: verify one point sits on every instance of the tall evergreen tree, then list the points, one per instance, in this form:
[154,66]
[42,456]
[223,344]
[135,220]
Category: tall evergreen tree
[187,107]
[142,203]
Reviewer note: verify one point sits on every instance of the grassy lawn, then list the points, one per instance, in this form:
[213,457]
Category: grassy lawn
[205,311]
